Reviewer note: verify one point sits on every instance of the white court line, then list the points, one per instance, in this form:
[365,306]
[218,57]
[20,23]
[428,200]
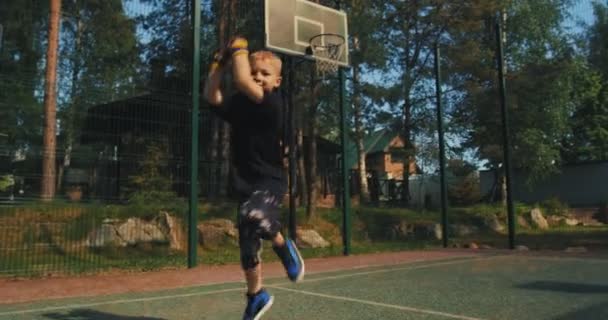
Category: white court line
[563,258]
[379,304]
[430,265]
[86,305]
[93,304]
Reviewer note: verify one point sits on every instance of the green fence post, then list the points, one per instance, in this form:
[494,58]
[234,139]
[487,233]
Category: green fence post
[505,130]
[346,230]
[444,188]
[292,149]
[193,212]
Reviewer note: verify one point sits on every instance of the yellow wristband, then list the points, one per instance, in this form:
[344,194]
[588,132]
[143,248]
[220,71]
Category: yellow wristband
[239,52]
[239,43]
[214,66]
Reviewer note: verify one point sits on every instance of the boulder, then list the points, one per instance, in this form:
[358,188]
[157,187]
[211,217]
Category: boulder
[493,223]
[217,231]
[522,222]
[472,245]
[135,230]
[554,221]
[401,230]
[103,236]
[424,231]
[308,238]
[538,220]
[460,230]
[173,230]
[576,250]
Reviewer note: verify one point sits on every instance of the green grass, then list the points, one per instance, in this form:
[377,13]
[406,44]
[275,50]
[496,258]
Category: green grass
[370,227]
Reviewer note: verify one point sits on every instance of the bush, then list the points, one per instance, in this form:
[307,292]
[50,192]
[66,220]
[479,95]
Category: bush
[555,207]
[378,222]
[602,213]
[6,181]
[465,192]
[144,203]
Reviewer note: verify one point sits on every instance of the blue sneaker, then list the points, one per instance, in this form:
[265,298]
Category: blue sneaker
[291,259]
[257,305]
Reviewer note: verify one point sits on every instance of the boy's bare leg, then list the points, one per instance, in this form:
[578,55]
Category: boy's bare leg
[278,240]
[254,279]
[287,251]
[254,276]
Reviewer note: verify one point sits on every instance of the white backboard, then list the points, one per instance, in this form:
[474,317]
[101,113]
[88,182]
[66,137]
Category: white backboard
[290,24]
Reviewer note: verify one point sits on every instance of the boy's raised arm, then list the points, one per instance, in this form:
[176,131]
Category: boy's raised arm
[241,71]
[212,91]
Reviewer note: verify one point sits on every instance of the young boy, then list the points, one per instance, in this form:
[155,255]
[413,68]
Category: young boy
[255,116]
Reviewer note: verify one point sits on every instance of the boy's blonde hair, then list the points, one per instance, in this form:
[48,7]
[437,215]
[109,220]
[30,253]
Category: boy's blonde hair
[268,56]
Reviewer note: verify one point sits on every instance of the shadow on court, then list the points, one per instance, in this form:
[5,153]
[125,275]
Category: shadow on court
[88,314]
[596,311]
[568,287]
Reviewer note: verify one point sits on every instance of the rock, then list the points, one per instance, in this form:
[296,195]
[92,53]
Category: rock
[522,222]
[538,220]
[172,229]
[217,231]
[162,229]
[460,230]
[554,221]
[401,231]
[438,231]
[311,239]
[472,245]
[485,247]
[521,248]
[422,230]
[494,223]
[576,250]
[135,230]
[592,224]
[103,236]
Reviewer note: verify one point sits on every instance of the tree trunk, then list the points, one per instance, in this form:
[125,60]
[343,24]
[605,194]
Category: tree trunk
[313,191]
[225,167]
[73,111]
[220,134]
[503,188]
[360,134]
[225,160]
[47,191]
[212,154]
[409,149]
[302,181]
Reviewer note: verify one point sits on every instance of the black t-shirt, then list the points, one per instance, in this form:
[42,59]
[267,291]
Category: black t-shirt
[255,141]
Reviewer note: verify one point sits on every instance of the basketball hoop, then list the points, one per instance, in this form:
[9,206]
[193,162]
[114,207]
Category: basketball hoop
[327,48]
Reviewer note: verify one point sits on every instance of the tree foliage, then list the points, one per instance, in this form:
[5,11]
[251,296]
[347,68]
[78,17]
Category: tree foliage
[557,81]
[588,139]
[23,24]
[541,67]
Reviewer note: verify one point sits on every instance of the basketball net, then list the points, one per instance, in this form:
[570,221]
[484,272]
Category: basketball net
[327,50]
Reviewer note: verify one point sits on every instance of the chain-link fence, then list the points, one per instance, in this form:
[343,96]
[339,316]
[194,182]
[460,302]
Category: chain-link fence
[118,188]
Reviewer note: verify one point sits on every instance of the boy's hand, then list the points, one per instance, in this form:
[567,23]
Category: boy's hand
[238,45]
[219,59]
